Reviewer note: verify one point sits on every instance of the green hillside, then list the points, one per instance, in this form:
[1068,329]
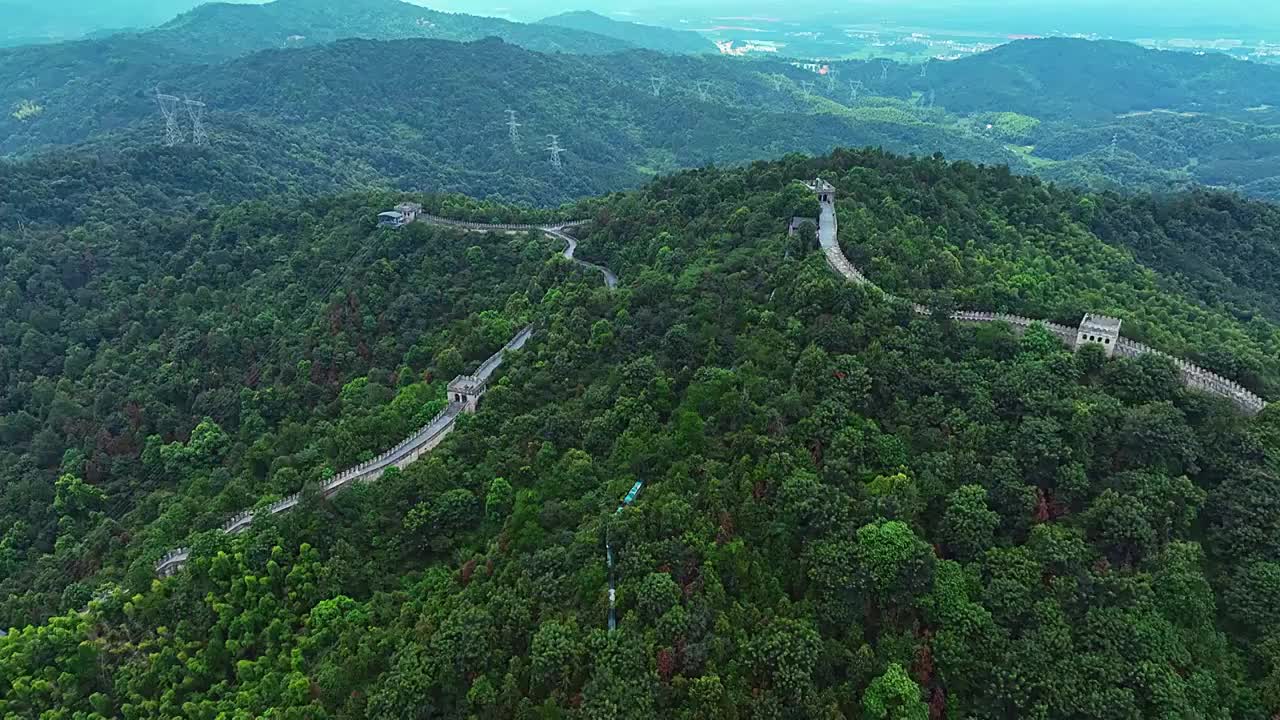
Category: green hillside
[224,30]
[846,511]
[362,114]
[332,117]
[651,37]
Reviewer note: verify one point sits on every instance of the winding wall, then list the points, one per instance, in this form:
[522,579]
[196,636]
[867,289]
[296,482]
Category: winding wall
[430,435]
[1192,375]
[425,438]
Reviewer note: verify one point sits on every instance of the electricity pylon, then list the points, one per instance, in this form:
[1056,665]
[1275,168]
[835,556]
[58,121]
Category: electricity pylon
[555,150]
[513,128]
[855,87]
[195,110]
[169,109]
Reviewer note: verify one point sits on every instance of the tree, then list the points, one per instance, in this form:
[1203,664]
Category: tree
[499,500]
[893,565]
[969,526]
[893,696]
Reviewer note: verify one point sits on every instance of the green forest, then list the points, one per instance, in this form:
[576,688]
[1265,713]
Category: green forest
[431,115]
[847,511]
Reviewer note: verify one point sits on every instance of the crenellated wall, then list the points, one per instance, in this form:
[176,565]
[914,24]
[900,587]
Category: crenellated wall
[401,456]
[1192,375]
[426,438]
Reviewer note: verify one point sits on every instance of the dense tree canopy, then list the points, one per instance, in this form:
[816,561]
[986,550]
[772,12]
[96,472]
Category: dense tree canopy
[848,511]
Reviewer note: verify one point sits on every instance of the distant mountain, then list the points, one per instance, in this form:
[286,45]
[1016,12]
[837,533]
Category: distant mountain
[651,37]
[431,115]
[225,30]
[342,115]
[1060,78]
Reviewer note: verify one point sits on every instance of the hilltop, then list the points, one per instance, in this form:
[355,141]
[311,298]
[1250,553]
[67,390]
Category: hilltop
[643,36]
[226,30]
[842,505]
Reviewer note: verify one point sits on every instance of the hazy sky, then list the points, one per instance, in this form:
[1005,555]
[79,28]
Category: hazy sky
[1102,16]
[1122,18]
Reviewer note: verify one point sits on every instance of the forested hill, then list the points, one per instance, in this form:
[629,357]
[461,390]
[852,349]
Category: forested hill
[643,36]
[225,30]
[847,510]
[1060,78]
[341,115]
[368,114]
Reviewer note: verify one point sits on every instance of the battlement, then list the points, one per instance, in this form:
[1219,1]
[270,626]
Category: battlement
[1101,330]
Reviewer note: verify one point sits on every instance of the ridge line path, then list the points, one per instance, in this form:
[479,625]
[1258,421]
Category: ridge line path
[1190,374]
[433,433]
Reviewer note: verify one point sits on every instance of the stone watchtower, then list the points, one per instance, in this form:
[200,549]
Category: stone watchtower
[466,389]
[826,191]
[1099,329]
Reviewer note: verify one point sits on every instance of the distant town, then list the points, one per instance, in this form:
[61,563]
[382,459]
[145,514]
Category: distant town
[745,36]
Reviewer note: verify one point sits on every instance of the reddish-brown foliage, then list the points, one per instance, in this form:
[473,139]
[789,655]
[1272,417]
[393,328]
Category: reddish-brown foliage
[468,569]
[938,704]
[666,664]
[726,528]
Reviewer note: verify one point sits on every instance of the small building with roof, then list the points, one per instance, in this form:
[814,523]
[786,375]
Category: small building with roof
[797,222]
[403,214]
[1101,330]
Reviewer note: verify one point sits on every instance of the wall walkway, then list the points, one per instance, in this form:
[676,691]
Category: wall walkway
[425,438]
[1192,375]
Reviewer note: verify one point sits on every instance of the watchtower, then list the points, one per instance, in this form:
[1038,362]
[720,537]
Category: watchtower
[409,211]
[466,389]
[1099,329]
[826,191]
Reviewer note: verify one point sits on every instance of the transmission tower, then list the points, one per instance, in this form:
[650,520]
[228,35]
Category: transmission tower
[777,82]
[195,110]
[703,87]
[884,70]
[1115,145]
[807,86]
[924,68]
[657,81]
[831,80]
[169,109]
[554,148]
[855,87]
[932,95]
[513,128]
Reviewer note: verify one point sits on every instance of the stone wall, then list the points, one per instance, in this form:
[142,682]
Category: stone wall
[1192,375]
[401,456]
